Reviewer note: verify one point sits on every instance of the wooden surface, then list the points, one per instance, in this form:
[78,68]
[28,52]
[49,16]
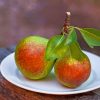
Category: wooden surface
[9,91]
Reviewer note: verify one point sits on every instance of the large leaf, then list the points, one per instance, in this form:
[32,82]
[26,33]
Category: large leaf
[63,49]
[55,47]
[91,36]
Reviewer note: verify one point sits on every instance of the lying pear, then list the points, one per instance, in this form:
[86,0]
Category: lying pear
[30,57]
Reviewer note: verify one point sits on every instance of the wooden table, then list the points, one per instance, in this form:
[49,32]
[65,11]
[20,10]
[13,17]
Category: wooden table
[9,91]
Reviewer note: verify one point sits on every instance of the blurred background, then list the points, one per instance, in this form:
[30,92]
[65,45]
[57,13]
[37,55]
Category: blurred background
[20,18]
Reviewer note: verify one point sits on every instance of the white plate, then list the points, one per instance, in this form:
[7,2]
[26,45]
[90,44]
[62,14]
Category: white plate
[50,85]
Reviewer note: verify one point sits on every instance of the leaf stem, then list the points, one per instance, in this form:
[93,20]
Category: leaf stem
[75,27]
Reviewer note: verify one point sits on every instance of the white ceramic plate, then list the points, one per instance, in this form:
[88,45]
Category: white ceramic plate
[50,85]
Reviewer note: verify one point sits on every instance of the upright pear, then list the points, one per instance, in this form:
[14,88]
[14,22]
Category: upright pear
[30,57]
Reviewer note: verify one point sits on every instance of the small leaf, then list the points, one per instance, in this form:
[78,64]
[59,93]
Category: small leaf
[75,51]
[91,36]
[71,36]
[55,47]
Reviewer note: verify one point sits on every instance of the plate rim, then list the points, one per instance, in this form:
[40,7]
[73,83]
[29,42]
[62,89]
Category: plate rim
[44,91]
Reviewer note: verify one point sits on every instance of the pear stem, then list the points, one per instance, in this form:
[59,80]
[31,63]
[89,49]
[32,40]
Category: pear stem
[66,23]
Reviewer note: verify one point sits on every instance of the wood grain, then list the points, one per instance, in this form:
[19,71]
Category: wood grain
[9,91]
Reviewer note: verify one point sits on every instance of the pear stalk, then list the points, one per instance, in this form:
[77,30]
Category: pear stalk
[66,23]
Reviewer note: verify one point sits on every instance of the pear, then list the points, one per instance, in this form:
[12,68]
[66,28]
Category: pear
[73,69]
[30,57]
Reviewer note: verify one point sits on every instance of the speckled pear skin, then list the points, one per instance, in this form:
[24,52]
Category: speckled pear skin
[30,57]
[71,72]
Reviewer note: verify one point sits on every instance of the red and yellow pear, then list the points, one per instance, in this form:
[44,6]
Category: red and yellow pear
[73,70]
[30,57]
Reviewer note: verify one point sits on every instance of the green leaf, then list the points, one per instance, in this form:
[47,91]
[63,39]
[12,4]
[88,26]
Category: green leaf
[91,36]
[76,52]
[93,31]
[71,36]
[55,47]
